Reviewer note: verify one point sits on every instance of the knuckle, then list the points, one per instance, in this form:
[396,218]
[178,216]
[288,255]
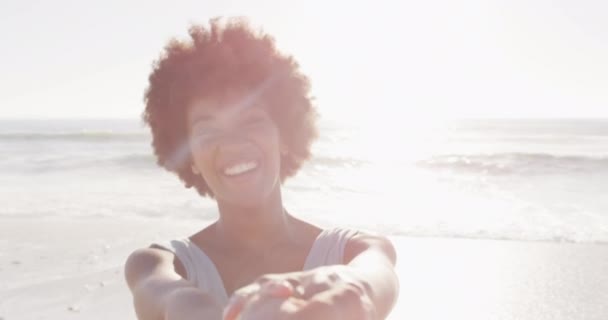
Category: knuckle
[293,281]
[353,291]
[315,288]
[265,278]
[246,291]
[333,277]
[353,299]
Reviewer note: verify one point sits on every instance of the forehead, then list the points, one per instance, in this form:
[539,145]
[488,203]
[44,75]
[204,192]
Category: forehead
[222,107]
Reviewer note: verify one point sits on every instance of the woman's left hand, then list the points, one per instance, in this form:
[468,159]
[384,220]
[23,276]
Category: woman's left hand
[332,292]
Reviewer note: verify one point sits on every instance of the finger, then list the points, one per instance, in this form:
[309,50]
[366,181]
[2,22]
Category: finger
[238,300]
[283,285]
[234,308]
[345,302]
[282,289]
[246,291]
[315,309]
[314,285]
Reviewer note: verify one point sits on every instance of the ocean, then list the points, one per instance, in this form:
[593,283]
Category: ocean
[515,179]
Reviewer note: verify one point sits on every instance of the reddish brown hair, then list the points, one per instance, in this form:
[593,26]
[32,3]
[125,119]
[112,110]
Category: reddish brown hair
[226,57]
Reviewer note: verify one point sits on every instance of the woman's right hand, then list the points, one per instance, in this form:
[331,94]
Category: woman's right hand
[268,296]
[330,292]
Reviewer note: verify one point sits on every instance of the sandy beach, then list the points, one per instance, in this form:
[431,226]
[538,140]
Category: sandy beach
[60,268]
[474,134]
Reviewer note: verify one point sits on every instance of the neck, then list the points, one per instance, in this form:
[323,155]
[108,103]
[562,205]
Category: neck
[255,227]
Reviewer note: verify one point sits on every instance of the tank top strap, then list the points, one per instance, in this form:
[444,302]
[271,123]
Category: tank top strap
[328,248]
[200,270]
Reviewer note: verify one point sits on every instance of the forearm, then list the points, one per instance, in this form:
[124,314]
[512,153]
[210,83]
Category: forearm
[192,304]
[163,299]
[378,278]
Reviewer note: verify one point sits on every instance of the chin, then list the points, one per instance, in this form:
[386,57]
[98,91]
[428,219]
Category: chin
[249,198]
[247,202]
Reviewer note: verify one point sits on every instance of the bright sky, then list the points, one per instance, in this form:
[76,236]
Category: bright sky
[482,58]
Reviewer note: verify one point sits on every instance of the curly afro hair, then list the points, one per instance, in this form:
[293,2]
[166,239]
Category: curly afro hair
[223,58]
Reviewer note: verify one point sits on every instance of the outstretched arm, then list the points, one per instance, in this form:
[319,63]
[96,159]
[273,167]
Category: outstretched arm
[161,293]
[373,259]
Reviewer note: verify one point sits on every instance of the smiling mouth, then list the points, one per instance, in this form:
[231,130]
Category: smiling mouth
[240,168]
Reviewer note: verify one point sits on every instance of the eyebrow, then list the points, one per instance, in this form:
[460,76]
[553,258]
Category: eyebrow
[204,117]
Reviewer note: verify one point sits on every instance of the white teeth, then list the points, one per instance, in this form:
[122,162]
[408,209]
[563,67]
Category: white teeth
[240,168]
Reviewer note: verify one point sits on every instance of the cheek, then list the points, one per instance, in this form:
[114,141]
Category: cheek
[276,157]
[201,156]
[271,144]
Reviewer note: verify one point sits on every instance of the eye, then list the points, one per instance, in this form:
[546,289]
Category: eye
[253,120]
[203,133]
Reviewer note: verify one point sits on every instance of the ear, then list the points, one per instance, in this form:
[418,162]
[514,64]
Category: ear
[283,149]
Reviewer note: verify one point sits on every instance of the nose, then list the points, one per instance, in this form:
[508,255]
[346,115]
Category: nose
[233,143]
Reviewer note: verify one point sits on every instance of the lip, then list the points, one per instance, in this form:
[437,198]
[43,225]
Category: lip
[249,178]
[228,162]
[255,167]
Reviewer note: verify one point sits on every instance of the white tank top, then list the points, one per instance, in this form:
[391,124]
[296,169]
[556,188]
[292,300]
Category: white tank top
[328,249]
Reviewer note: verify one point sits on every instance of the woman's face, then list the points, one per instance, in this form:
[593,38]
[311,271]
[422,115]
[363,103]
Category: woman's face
[235,146]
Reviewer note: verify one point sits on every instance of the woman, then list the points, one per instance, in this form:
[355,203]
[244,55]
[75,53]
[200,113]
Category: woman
[232,117]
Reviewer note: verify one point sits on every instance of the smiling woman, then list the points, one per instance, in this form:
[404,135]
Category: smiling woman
[232,117]
[237,76]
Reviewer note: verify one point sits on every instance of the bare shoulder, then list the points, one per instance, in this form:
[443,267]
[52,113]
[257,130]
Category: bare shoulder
[365,241]
[145,262]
